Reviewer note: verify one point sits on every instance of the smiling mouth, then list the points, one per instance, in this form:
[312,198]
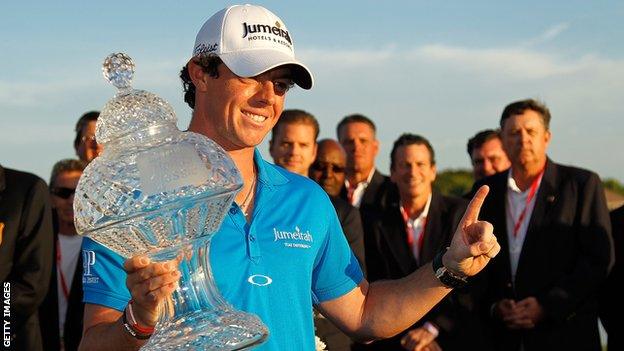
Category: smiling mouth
[254,117]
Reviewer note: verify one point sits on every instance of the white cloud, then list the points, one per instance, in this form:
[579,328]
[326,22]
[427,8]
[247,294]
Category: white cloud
[548,35]
[517,63]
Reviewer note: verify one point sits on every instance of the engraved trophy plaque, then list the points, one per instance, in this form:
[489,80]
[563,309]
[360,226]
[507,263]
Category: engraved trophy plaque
[161,192]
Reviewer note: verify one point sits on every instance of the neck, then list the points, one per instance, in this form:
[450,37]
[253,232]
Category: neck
[356,177]
[414,206]
[524,175]
[67,228]
[244,162]
[242,157]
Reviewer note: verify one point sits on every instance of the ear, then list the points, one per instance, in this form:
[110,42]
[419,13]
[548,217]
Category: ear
[376,146]
[393,175]
[547,136]
[434,169]
[198,76]
[314,151]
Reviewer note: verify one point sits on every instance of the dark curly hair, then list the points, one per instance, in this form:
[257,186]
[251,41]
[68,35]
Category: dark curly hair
[209,65]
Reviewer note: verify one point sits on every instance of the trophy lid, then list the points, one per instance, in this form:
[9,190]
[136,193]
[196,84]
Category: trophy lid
[130,110]
[151,180]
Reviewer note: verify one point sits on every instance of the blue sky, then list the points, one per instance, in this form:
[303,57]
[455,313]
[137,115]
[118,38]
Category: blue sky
[441,69]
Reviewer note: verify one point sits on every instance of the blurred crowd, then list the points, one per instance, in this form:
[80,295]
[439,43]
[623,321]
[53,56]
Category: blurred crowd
[553,280]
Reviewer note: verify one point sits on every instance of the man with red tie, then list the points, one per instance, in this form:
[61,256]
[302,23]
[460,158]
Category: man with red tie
[407,235]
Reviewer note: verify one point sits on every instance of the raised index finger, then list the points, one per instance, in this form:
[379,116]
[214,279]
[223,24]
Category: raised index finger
[474,207]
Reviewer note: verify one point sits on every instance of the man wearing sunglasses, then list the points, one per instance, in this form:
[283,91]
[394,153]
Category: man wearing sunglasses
[61,312]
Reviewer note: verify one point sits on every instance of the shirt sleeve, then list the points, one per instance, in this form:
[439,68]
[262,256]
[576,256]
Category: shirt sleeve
[336,270]
[103,278]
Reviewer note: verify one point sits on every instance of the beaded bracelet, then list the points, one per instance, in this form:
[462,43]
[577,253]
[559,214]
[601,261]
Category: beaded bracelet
[133,327]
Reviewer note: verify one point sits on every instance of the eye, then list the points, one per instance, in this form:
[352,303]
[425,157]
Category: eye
[282,85]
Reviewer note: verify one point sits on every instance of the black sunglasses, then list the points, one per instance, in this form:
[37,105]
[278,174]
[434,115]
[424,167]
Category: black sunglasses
[321,166]
[63,193]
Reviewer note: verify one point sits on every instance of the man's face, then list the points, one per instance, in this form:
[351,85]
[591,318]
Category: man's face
[239,112]
[525,139]
[328,170]
[358,140]
[413,172]
[63,194]
[88,148]
[294,147]
[489,159]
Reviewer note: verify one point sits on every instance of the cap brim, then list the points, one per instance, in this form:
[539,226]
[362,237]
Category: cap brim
[250,63]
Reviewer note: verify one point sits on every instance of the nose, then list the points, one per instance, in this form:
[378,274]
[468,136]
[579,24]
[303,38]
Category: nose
[266,92]
[524,137]
[295,149]
[488,168]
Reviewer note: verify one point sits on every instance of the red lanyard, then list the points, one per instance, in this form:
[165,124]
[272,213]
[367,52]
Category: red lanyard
[410,232]
[528,201]
[60,270]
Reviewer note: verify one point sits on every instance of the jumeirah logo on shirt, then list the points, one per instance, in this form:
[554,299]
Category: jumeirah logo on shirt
[296,238]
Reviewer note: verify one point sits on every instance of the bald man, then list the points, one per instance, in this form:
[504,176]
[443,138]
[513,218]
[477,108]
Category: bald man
[329,167]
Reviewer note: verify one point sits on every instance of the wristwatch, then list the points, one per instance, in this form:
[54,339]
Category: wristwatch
[446,277]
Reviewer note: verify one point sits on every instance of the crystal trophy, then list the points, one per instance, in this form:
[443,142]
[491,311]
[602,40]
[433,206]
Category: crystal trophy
[161,192]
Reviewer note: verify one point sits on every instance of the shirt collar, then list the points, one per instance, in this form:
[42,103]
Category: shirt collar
[424,213]
[364,183]
[268,174]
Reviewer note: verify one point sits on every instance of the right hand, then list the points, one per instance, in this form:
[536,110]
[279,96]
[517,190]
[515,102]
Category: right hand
[474,242]
[150,284]
[417,339]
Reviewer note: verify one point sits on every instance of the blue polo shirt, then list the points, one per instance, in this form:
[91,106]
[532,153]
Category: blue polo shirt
[293,254]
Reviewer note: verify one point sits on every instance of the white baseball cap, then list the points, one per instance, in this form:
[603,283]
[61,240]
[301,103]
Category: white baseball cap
[250,40]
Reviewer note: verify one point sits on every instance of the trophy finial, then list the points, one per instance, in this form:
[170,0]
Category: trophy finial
[118,69]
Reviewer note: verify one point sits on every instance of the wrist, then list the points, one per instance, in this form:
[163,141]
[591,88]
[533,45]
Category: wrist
[446,276]
[451,265]
[131,325]
[432,329]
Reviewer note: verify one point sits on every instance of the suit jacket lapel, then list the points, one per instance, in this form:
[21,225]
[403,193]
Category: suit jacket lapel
[371,190]
[396,239]
[495,210]
[434,230]
[544,201]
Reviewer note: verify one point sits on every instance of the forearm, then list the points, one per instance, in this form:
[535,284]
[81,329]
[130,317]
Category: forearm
[393,306]
[109,337]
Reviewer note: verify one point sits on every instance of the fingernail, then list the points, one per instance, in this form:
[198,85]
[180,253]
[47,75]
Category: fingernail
[144,260]
[166,266]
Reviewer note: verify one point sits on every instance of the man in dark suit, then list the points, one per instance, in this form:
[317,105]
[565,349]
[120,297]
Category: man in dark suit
[611,302]
[408,234]
[365,187]
[553,228]
[61,313]
[25,256]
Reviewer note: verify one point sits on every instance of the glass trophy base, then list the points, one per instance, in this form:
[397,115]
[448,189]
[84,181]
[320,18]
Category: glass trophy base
[209,330]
